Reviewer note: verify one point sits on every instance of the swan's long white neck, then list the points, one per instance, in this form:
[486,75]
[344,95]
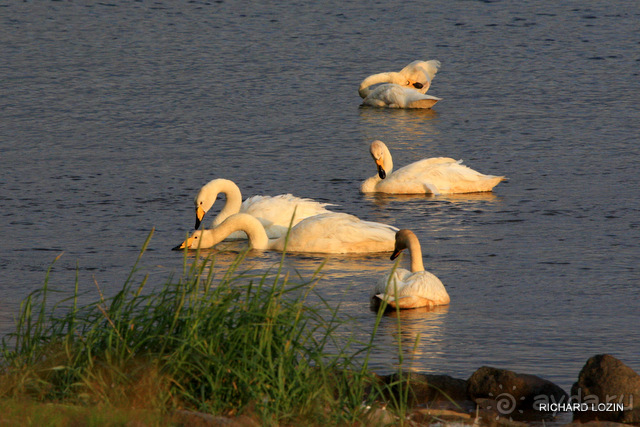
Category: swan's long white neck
[258,238]
[210,192]
[387,161]
[389,77]
[416,254]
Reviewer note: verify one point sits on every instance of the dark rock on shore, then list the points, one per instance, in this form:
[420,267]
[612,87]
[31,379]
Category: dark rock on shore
[603,380]
[512,393]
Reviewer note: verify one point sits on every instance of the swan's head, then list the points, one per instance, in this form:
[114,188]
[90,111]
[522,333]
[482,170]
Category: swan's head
[206,198]
[200,239]
[403,237]
[419,74]
[380,154]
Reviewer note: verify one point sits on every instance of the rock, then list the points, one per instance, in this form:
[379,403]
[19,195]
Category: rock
[604,380]
[515,395]
[427,389]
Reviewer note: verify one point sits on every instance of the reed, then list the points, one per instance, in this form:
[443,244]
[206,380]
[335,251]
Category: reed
[246,344]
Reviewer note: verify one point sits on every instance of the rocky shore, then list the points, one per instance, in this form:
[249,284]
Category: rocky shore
[607,393]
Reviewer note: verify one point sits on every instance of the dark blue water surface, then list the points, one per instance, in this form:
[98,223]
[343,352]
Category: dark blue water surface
[112,115]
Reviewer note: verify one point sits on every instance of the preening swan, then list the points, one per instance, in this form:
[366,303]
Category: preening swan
[410,289]
[417,75]
[403,89]
[324,233]
[438,175]
[274,212]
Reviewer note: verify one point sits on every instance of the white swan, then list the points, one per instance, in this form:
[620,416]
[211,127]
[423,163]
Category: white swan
[438,175]
[417,75]
[274,212]
[403,89]
[410,289]
[324,233]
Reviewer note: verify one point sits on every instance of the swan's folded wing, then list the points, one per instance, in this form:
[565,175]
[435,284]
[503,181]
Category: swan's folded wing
[278,210]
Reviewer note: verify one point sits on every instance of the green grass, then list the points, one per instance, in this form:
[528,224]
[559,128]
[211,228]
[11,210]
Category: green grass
[244,344]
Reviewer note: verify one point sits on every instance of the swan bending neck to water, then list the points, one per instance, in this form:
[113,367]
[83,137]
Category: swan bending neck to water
[437,175]
[274,212]
[417,76]
[409,289]
[324,233]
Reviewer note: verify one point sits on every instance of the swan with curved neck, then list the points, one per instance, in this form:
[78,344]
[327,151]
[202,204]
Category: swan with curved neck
[324,233]
[417,75]
[437,175]
[409,289]
[274,212]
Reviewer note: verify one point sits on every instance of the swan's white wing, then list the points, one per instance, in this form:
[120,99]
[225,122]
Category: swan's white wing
[275,212]
[411,290]
[438,175]
[341,233]
[396,96]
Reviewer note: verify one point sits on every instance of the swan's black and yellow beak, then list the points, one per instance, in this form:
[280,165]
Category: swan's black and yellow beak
[381,173]
[417,85]
[199,215]
[185,244]
[395,254]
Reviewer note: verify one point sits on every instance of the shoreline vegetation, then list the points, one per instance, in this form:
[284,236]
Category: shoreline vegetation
[244,349]
[246,345]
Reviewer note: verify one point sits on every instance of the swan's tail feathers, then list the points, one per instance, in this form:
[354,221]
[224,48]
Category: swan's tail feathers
[423,103]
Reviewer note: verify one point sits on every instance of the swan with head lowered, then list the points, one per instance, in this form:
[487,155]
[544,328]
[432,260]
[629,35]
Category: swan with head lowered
[324,233]
[274,212]
[401,89]
[409,289]
[417,75]
[437,175]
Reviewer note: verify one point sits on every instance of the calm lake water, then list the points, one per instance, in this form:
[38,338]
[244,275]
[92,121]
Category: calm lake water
[112,115]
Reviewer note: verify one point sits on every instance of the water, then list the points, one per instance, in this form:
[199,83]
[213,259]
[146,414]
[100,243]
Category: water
[113,116]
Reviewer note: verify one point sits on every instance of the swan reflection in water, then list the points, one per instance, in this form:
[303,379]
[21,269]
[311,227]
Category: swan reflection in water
[387,122]
[419,333]
[462,200]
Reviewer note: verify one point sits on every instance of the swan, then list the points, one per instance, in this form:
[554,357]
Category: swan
[275,212]
[417,75]
[438,175]
[403,89]
[325,233]
[412,289]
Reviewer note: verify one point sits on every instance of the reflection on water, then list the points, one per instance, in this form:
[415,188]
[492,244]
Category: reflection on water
[419,334]
[382,199]
[414,123]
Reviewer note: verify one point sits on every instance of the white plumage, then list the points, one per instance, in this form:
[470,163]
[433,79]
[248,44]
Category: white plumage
[409,289]
[403,89]
[324,233]
[437,175]
[274,212]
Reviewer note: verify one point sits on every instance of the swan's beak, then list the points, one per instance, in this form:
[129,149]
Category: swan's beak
[417,85]
[185,244]
[199,215]
[395,254]
[381,173]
